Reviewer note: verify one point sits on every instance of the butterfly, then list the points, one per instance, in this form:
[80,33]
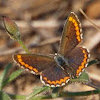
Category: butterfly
[57,69]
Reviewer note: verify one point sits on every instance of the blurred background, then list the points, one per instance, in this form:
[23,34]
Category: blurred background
[41,23]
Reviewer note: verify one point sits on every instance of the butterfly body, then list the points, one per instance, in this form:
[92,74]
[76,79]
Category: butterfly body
[70,60]
[60,60]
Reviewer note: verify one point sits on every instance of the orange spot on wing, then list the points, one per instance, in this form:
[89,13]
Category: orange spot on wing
[26,65]
[70,18]
[74,21]
[78,38]
[18,56]
[75,24]
[57,82]
[22,63]
[77,28]
[20,60]
[45,78]
[35,70]
[30,67]
[78,33]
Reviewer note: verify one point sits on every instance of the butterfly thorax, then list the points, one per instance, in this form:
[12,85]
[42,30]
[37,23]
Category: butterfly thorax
[61,61]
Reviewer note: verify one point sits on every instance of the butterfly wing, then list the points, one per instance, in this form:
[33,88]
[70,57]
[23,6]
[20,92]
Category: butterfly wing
[78,59]
[51,74]
[71,35]
[54,76]
[34,62]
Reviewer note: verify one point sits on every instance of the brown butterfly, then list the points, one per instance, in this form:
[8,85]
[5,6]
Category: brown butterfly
[70,60]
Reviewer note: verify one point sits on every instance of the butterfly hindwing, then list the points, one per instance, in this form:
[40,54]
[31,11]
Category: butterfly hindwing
[71,35]
[54,76]
[78,59]
[34,62]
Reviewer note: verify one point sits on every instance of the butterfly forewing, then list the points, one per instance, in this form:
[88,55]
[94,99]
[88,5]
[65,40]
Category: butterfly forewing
[34,62]
[71,35]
